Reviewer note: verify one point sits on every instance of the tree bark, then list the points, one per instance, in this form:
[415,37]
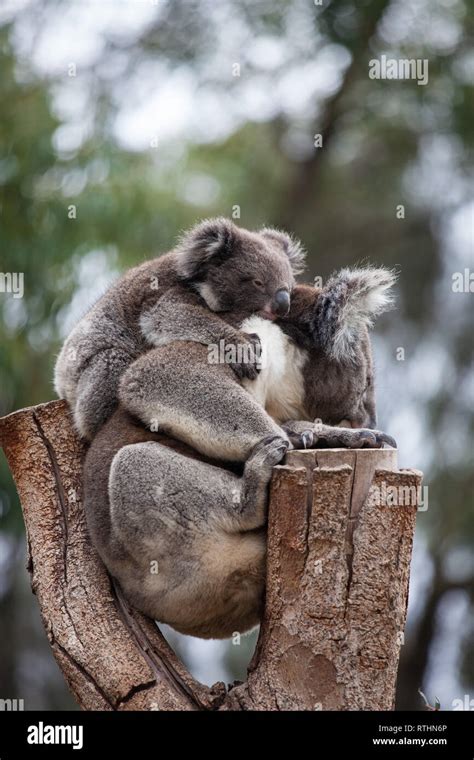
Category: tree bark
[337,583]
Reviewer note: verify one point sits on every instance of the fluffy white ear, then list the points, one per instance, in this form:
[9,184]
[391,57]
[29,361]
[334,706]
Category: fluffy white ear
[212,239]
[348,303]
[291,247]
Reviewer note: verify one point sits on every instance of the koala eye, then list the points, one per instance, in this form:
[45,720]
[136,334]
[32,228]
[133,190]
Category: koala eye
[258,284]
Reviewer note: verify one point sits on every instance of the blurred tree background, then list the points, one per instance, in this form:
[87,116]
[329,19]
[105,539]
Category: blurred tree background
[124,122]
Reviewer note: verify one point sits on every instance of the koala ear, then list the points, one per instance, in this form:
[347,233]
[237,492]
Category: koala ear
[349,302]
[212,240]
[291,247]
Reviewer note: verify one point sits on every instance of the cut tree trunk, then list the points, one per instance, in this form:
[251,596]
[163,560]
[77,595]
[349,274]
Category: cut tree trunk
[337,582]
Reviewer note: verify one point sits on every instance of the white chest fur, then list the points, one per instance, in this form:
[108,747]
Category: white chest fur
[279,387]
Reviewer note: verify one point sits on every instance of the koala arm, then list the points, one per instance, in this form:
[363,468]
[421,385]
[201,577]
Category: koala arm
[181,315]
[329,437]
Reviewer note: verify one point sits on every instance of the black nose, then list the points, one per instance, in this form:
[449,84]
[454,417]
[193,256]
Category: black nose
[281,302]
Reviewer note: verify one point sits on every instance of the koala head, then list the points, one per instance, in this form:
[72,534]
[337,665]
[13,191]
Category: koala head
[332,324]
[236,270]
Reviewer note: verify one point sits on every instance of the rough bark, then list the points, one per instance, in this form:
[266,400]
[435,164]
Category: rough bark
[337,584]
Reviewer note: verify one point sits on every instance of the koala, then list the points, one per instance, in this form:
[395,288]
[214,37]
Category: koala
[176,387]
[216,268]
[178,516]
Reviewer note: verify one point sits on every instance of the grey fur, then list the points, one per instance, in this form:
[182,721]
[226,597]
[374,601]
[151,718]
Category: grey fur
[216,267]
[208,545]
[202,523]
[351,300]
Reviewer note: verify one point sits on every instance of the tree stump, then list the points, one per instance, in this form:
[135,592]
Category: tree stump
[337,582]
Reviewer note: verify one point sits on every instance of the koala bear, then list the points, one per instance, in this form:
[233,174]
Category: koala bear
[183,529]
[216,268]
[176,387]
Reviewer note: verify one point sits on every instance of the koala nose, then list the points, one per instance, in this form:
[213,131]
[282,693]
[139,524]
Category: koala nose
[281,302]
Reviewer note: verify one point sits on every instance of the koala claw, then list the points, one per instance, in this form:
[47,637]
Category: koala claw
[269,452]
[363,439]
[385,438]
[299,440]
[371,439]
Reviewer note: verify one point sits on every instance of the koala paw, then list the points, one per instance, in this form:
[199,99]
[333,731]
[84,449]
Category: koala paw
[361,438]
[300,437]
[249,368]
[269,452]
[382,438]
[303,434]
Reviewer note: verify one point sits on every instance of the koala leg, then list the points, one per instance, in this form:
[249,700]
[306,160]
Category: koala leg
[96,392]
[174,389]
[253,492]
[181,545]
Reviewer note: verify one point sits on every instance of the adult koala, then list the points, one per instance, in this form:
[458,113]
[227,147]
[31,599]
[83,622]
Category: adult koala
[216,268]
[153,503]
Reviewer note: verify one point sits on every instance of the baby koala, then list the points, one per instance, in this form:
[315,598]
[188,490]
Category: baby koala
[183,295]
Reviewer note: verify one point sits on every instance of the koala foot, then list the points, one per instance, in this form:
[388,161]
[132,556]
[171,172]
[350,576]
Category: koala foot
[257,475]
[302,438]
[382,438]
[268,452]
[303,434]
[353,438]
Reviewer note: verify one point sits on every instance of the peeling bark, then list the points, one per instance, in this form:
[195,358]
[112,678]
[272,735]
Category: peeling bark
[337,583]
